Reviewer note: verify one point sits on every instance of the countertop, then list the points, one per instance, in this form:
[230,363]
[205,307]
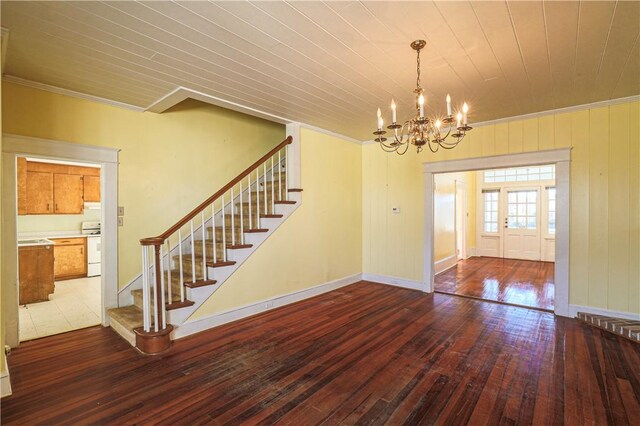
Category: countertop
[51,234]
[28,242]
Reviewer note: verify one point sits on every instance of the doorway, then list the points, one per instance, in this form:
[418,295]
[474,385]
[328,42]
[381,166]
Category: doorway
[531,234]
[59,241]
[15,146]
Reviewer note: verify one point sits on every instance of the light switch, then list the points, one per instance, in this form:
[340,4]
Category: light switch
[395,210]
[120,211]
[120,221]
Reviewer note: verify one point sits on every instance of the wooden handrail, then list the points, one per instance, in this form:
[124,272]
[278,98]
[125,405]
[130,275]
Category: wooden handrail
[155,241]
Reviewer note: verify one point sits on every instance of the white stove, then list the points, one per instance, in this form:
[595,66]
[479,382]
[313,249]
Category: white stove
[94,257]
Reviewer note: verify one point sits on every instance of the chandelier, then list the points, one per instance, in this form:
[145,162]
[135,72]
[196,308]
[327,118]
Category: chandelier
[445,132]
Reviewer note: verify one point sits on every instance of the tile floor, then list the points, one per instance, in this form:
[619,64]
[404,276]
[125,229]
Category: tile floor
[74,304]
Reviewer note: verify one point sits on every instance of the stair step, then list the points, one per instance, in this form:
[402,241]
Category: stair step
[220,264]
[295,189]
[129,317]
[200,283]
[178,305]
[626,328]
[271,216]
[239,246]
[285,202]
[256,230]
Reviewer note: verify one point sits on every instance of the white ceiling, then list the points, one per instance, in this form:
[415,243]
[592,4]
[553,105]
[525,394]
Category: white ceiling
[331,64]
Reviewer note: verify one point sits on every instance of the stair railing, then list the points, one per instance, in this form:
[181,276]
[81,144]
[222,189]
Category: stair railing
[221,206]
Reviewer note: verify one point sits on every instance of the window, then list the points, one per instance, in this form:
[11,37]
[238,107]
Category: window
[520,174]
[521,209]
[551,206]
[491,210]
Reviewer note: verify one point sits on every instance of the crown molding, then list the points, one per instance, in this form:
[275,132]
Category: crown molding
[71,93]
[592,105]
[599,104]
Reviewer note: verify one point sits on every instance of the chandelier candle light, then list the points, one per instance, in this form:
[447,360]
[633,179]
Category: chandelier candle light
[420,130]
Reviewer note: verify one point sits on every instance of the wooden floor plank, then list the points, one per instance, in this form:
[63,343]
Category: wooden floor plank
[516,282]
[364,354]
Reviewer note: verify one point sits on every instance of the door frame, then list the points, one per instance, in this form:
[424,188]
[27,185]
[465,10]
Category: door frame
[561,158]
[15,146]
[461,228]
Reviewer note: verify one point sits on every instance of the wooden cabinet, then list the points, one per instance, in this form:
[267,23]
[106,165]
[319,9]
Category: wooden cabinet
[39,193]
[70,258]
[46,188]
[92,188]
[67,193]
[36,273]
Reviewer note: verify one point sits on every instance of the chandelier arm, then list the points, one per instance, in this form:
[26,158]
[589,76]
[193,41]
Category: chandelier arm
[406,148]
[436,147]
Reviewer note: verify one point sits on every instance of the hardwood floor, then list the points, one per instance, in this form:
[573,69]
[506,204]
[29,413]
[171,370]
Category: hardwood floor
[516,282]
[364,354]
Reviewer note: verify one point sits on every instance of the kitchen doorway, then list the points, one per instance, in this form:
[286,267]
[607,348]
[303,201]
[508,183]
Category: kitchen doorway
[15,146]
[59,246]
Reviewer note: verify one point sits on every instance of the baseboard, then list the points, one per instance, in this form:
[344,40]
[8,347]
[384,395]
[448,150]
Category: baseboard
[574,309]
[444,264]
[5,380]
[394,281]
[201,324]
[471,252]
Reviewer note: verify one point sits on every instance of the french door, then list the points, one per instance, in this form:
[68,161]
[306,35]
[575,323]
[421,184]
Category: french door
[522,224]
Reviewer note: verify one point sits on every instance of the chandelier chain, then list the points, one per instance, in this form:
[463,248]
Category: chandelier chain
[418,71]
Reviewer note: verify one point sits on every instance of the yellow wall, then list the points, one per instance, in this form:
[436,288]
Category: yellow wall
[444,207]
[605,197]
[169,162]
[318,243]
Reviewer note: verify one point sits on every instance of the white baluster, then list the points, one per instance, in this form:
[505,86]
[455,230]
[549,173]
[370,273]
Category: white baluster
[250,209]
[213,226]
[273,187]
[258,196]
[241,216]
[169,289]
[145,290]
[264,184]
[233,222]
[180,260]
[224,232]
[193,254]
[204,248]
[162,300]
[280,197]
[286,181]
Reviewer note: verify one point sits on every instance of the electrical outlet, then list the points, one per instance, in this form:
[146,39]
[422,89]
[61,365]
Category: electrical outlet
[268,305]
[120,211]
[395,210]
[120,221]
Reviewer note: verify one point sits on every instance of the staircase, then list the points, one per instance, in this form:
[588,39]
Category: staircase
[629,329]
[187,263]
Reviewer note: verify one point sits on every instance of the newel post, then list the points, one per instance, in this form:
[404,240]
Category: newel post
[154,339]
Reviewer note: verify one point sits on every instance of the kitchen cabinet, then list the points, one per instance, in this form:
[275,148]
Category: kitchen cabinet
[36,273]
[67,193]
[39,189]
[92,189]
[47,188]
[70,258]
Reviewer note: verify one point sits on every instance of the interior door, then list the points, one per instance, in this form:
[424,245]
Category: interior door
[522,224]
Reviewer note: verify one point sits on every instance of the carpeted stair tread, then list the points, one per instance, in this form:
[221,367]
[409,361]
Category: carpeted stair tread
[129,317]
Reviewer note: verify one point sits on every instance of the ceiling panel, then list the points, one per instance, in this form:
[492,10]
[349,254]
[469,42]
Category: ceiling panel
[331,64]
